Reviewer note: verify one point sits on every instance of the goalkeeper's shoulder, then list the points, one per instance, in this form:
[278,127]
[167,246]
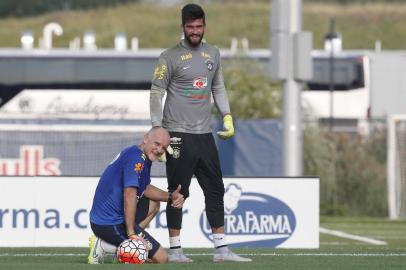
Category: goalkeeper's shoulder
[171,53]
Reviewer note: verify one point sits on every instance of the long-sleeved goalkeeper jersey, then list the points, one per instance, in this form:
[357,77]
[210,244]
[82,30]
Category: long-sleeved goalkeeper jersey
[190,77]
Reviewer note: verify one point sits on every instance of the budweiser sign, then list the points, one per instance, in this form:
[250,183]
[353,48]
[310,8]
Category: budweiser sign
[31,162]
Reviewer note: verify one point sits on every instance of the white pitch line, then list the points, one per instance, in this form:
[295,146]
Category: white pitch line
[211,254]
[352,236]
[311,254]
[41,254]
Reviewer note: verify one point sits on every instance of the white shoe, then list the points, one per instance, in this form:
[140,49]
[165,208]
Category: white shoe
[176,255]
[96,252]
[228,255]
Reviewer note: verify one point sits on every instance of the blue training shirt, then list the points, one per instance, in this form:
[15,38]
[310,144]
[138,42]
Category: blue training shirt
[130,168]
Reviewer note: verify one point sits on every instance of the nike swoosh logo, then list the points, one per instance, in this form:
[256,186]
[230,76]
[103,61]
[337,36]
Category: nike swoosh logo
[184,68]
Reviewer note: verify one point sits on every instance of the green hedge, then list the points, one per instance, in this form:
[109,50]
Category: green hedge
[355,1]
[352,170]
[351,167]
[249,88]
[35,7]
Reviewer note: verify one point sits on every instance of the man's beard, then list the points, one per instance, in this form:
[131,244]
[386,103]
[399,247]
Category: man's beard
[194,44]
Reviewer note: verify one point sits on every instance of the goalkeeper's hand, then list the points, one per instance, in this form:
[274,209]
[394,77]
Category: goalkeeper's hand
[162,158]
[228,128]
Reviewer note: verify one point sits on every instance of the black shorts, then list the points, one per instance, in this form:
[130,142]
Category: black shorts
[194,154]
[142,209]
[116,234]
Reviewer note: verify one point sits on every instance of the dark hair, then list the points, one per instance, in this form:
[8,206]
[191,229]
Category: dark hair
[191,12]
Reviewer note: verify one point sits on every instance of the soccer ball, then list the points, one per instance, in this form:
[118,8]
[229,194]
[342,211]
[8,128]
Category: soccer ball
[133,251]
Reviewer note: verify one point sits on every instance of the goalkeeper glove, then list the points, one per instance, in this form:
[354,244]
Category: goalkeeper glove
[162,158]
[228,126]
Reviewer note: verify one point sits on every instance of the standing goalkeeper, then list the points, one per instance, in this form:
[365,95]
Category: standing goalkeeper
[190,74]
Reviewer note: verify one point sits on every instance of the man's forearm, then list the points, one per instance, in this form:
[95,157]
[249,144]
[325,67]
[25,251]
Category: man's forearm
[130,208]
[155,105]
[220,94]
[156,194]
[221,101]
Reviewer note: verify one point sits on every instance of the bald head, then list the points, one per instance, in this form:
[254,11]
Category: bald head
[155,142]
[160,132]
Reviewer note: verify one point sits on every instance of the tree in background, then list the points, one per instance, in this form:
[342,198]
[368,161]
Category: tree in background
[352,170]
[23,8]
[352,167]
[251,93]
[355,1]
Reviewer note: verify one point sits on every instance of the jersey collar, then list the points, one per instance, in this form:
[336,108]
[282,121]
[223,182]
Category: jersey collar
[186,45]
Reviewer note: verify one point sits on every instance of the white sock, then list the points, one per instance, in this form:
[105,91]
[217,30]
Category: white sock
[219,240]
[107,247]
[174,242]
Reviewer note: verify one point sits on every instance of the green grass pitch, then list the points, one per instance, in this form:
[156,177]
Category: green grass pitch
[334,252]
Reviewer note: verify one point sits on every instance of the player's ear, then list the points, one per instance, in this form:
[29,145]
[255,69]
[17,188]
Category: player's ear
[145,138]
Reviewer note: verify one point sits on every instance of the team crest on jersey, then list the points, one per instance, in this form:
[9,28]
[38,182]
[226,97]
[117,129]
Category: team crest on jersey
[200,82]
[138,167]
[209,64]
[176,152]
[160,71]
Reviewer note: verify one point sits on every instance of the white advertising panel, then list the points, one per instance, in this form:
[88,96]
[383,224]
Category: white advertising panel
[45,211]
[78,104]
[259,212]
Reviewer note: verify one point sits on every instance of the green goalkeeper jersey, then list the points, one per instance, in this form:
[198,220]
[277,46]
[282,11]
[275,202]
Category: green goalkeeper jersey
[190,77]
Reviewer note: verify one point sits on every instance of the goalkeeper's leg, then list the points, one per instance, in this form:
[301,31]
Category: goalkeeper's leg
[210,178]
[179,170]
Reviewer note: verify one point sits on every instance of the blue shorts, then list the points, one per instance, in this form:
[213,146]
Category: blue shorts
[116,234]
